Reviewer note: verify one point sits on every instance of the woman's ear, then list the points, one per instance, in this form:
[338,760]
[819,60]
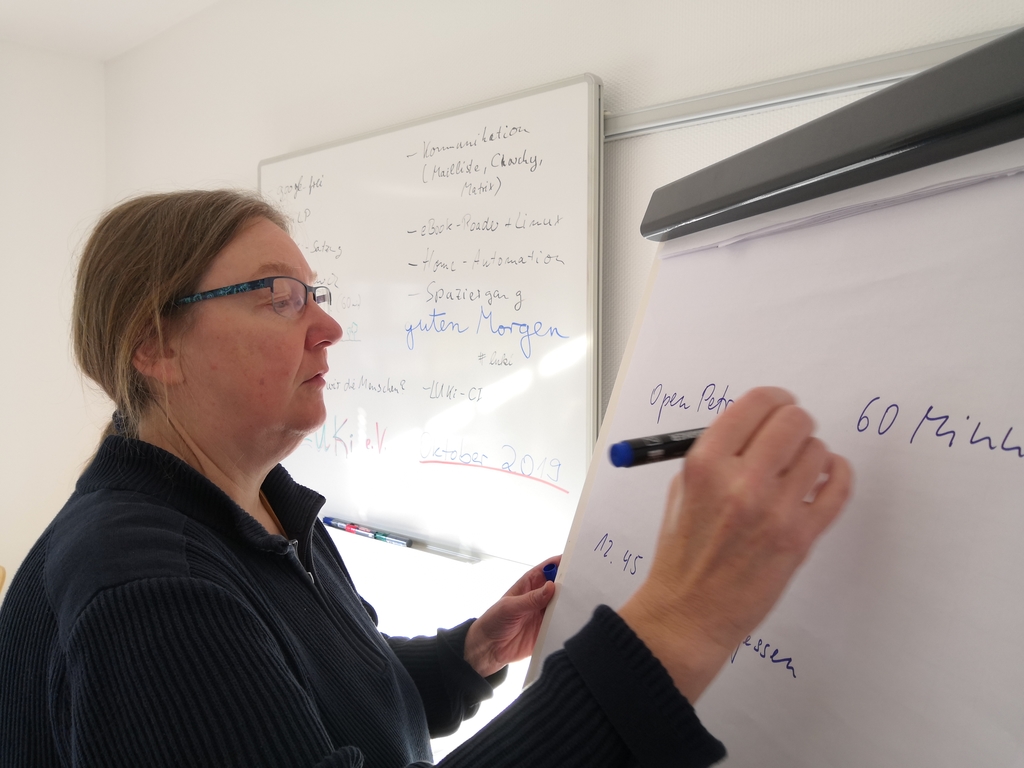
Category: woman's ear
[159,360]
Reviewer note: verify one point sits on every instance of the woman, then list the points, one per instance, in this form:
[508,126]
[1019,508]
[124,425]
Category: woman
[186,607]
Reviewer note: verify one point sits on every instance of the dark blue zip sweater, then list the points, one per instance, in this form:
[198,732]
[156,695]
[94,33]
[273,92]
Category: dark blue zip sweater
[155,623]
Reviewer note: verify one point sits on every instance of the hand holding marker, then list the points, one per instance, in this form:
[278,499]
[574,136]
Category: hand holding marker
[645,450]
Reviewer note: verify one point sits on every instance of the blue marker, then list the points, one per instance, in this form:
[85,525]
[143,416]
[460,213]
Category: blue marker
[550,571]
[645,450]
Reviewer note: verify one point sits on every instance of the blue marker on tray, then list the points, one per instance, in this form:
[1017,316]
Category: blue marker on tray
[645,450]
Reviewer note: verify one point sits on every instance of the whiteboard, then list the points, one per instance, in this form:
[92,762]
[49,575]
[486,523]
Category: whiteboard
[461,252]
[894,312]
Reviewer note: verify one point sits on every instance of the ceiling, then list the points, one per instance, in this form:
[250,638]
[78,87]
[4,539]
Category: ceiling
[95,29]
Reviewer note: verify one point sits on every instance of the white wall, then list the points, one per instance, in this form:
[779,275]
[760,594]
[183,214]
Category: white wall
[51,189]
[250,79]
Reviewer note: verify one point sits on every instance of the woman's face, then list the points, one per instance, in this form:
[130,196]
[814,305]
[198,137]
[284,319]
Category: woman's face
[249,375]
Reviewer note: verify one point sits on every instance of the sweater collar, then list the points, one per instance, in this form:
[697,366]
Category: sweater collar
[134,465]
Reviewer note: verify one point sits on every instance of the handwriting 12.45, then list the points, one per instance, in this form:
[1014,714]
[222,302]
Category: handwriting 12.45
[630,560]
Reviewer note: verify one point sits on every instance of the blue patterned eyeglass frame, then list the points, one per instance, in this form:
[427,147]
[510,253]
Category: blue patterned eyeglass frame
[321,294]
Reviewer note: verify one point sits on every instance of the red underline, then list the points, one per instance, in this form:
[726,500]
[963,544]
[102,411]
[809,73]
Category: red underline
[493,469]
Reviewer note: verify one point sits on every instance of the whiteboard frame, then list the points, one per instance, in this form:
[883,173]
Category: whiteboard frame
[595,203]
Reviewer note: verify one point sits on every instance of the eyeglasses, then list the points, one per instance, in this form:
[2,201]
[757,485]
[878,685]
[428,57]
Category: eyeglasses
[288,295]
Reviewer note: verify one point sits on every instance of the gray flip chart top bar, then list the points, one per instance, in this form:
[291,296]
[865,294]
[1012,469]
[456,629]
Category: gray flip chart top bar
[964,105]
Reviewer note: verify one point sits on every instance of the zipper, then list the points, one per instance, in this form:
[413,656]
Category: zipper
[293,550]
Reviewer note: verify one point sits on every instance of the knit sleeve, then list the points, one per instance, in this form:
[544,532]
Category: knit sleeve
[450,688]
[603,702]
[177,671]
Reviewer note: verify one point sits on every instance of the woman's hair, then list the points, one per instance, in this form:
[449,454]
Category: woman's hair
[144,254]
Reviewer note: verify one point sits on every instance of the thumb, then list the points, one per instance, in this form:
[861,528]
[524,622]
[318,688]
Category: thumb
[519,606]
[542,596]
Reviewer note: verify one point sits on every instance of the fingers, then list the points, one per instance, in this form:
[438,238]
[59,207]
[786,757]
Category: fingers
[542,596]
[774,439]
[533,578]
[780,442]
[733,430]
[804,472]
[832,495]
[534,600]
[516,607]
[771,432]
[811,518]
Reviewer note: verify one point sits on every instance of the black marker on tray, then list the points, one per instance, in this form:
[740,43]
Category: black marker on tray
[645,450]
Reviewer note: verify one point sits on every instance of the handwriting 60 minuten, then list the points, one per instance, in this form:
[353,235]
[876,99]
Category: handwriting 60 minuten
[952,428]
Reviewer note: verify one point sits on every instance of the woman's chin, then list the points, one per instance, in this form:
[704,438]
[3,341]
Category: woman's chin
[312,421]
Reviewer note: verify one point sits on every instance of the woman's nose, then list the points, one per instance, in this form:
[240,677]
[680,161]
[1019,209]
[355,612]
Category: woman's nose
[323,329]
